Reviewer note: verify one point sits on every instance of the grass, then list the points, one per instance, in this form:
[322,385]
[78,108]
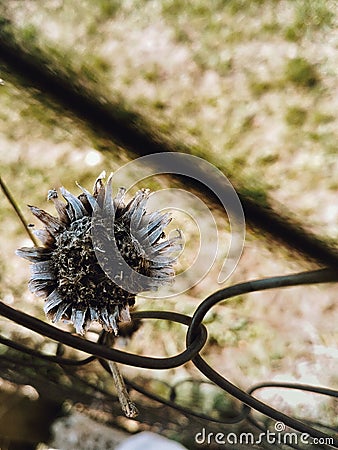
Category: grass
[295,116]
[310,16]
[108,8]
[302,73]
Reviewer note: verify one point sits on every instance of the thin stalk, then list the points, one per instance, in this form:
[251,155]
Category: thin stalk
[17,210]
[128,407]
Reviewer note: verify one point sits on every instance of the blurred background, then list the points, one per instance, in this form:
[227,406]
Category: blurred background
[251,86]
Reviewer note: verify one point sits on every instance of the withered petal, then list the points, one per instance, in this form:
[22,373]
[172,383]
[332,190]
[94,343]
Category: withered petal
[61,311]
[166,271]
[152,221]
[160,249]
[90,198]
[41,288]
[171,248]
[45,237]
[161,261]
[42,270]
[108,204]
[77,207]
[109,320]
[78,318]
[113,322]
[98,185]
[105,318]
[133,205]
[118,200]
[93,313]
[53,299]
[138,213]
[154,235]
[59,206]
[34,253]
[53,224]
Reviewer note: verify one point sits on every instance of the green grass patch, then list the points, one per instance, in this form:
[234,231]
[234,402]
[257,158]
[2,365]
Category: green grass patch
[295,116]
[301,73]
[321,118]
[310,15]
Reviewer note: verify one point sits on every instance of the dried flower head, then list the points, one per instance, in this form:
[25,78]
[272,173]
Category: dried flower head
[98,254]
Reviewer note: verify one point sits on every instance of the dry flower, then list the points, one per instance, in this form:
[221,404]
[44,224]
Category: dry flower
[67,272]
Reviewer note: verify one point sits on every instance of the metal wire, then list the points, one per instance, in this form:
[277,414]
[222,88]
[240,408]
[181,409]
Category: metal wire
[196,338]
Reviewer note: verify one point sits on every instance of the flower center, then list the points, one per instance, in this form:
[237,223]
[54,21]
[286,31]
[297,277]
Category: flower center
[81,280]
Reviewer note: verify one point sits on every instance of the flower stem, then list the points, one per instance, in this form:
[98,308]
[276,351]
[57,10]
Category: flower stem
[128,407]
[17,210]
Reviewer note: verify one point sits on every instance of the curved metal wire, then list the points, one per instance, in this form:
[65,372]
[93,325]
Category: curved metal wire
[196,338]
[100,351]
[317,276]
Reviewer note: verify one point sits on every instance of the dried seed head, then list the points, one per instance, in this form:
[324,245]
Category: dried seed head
[77,285]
